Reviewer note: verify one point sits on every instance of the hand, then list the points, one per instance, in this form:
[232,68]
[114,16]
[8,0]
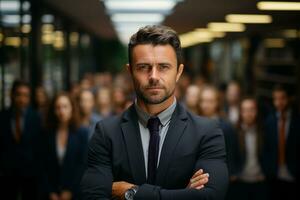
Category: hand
[53,196]
[198,180]
[65,195]
[119,189]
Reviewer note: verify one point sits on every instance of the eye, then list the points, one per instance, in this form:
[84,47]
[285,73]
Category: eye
[164,67]
[143,67]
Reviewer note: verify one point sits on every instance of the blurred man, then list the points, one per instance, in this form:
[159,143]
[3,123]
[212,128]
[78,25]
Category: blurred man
[282,138]
[156,149]
[192,98]
[20,127]
[88,118]
[233,96]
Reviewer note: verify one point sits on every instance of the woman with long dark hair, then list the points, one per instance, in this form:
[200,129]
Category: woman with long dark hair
[65,148]
[250,183]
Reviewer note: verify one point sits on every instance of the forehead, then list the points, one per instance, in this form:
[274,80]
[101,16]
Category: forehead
[148,52]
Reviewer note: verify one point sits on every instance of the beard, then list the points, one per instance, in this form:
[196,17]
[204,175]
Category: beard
[155,97]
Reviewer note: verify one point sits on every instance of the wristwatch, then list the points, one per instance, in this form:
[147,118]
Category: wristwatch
[129,194]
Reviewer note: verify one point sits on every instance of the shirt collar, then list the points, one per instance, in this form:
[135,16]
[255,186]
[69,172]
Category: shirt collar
[164,116]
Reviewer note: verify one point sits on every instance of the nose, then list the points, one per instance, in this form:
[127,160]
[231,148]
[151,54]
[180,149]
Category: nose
[154,74]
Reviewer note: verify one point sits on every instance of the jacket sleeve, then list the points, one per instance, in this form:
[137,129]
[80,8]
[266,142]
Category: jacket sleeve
[212,159]
[96,182]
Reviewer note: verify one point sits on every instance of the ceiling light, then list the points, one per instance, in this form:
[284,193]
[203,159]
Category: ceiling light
[290,33]
[248,18]
[226,27]
[277,5]
[274,43]
[140,5]
[9,5]
[12,41]
[194,37]
[215,34]
[137,17]
[26,28]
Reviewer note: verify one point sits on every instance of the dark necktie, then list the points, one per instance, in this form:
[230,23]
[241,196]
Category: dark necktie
[281,140]
[153,126]
[18,127]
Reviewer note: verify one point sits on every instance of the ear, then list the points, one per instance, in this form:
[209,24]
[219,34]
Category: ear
[179,72]
[128,67]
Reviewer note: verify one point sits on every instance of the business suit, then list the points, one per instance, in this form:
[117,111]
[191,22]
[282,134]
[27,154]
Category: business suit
[192,143]
[270,163]
[282,188]
[67,174]
[18,160]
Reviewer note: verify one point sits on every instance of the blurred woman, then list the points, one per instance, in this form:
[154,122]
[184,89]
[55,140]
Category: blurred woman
[192,98]
[65,148]
[250,182]
[209,106]
[232,96]
[88,118]
[104,102]
[41,101]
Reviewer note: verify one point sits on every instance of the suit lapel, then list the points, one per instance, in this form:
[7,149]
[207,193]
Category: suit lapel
[130,130]
[175,131]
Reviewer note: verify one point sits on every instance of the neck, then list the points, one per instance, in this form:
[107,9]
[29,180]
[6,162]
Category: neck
[155,109]
[63,126]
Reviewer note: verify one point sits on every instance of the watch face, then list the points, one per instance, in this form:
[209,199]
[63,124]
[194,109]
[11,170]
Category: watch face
[129,194]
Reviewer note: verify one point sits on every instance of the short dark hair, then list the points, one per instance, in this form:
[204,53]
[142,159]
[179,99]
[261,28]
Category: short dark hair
[156,35]
[17,84]
[280,88]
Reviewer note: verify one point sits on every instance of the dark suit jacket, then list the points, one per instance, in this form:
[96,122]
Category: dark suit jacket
[192,143]
[19,159]
[270,154]
[67,175]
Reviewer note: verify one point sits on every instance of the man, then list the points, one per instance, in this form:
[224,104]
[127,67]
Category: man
[156,149]
[20,127]
[280,152]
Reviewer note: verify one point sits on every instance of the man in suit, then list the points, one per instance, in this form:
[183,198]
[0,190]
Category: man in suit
[156,149]
[280,160]
[20,127]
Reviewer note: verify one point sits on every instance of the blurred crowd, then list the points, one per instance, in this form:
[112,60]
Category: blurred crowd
[44,138]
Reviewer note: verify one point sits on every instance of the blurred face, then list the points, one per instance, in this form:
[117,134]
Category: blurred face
[209,103]
[233,94]
[248,112]
[103,97]
[21,98]
[154,72]
[280,100]
[86,102]
[119,97]
[63,109]
[40,96]
[192,96]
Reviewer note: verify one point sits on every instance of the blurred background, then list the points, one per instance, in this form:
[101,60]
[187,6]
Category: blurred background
[234,52]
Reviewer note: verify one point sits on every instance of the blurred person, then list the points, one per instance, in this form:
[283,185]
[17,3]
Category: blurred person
[156,149]
[104,102]
[209,106]
[282,147]
[192,99]
[88,117]
[250,183]
[120,100]
[86,83]
[74,90]
[232,97]
[20,127]
[64,150]
[41,101]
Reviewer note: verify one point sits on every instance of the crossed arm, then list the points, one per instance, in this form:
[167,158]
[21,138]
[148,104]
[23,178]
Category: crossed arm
[97,182]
